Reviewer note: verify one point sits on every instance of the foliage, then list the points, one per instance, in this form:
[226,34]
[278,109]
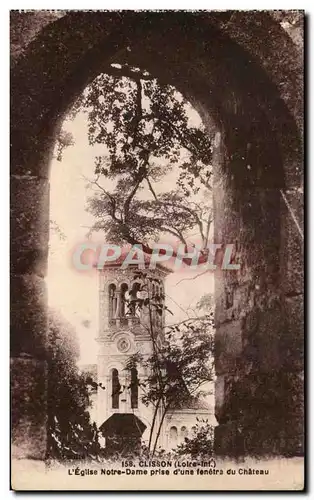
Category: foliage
[206,303]
[181,363]
[275,410]
[145,129]
[70,431]
[64,140]
[55,229]
[200,445]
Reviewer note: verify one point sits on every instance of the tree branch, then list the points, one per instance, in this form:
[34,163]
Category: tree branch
[174,233]
[141,175]
[151,187]
[196,318]
[179,134]
[194,277]
[209,221]
[193,213]
[99,187]
[138,113]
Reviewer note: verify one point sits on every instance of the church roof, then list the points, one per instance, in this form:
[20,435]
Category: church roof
[123,424]
[190,403]
[186,401]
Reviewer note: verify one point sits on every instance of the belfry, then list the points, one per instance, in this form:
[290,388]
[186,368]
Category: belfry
[125,331]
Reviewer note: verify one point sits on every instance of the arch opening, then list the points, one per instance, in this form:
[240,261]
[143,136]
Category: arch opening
[257,143]
[116,388]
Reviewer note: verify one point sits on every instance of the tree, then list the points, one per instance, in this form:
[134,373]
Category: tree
[71,434]
[181,362]
[64,140]
[200,444]
[56,230]
[206,303]
[146,130]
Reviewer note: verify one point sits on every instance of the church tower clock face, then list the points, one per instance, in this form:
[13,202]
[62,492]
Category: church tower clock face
[123,344]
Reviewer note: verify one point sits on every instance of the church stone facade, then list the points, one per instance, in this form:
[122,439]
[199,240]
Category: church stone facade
[122,333]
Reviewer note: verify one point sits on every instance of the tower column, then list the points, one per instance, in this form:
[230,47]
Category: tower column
[121,338]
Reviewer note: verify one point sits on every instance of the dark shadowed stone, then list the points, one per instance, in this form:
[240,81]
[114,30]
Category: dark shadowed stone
[293,337]
[28,408]
[228,346]
[28,315]
[292,253]
[29,224]
[229,441]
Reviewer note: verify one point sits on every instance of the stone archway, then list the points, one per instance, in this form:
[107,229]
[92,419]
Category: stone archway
[250,97]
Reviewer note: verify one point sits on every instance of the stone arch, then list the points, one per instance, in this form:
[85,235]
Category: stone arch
[134,289]
[112,365]
[159,313]
[115,388]
[112,300]
[134,388]
[173,436]
[151,304]
[255,120]
[123,290]
[184,432]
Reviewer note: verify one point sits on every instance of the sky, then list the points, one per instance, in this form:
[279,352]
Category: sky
[72,293]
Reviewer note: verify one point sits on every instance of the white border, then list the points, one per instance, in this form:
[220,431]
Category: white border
[159,5]
[4,198]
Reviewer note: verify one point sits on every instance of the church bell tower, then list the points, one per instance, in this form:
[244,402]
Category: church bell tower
[126,330]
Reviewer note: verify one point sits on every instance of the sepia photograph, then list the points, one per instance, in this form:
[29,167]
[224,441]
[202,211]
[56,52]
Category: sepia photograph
[156,250]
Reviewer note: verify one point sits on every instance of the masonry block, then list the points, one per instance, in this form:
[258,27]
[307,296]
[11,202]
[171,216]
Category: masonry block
[28,408]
